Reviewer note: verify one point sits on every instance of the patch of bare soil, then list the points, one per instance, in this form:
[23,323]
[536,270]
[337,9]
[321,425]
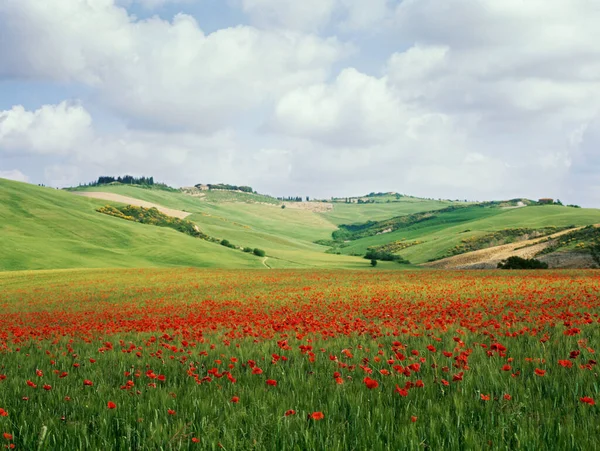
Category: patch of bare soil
[569,260]
[490,257]
[135,202]
[317,207]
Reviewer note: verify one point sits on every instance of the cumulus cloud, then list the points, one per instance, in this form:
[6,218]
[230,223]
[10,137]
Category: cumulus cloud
[14,174]
[155,72]
[52,129]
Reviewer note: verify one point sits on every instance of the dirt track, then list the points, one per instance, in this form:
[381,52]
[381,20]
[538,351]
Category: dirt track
[489,258]
[135,202]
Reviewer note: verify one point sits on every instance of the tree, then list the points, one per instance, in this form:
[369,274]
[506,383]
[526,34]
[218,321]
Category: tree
[373,263]
[259,252]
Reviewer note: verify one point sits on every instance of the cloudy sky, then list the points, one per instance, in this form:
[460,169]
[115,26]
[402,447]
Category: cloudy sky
[474,99]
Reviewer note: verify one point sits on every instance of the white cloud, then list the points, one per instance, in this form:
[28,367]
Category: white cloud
[52,129]
[159,73]
[15,175]
[354,110]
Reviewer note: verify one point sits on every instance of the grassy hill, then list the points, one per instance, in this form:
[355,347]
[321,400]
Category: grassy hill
[42,228]
[440,232]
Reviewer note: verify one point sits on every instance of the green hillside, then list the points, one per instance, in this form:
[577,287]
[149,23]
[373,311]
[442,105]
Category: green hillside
[444,230]
[44,228]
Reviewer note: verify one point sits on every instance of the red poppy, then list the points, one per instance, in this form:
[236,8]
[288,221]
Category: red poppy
[31,384]
[317,416]
[3,413]
[111,405]
[7,436]
[235,399]
[414,419]
[565,363]
[401,391]
[195,440]
[171,412]
[271,382]
[485,397]
[47,387]
[506,368]
[587,400]
[88,382]
[290,412]
[370,383]
[507,397]
[539,372]
[256,370]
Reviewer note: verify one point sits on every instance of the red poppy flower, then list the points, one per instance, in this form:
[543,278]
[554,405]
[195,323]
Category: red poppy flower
[317,416]
[171,412]
[587,400]
[539,372]
[111,405]
[414,419]
[565,363]
[31,384]
[506,368]
[7,436]
[256,370]
[88,382]
[370,383]
[401,391]
[235,399]
[195,440]
[290,412]
[3,413]
[485,397]
[47,387]
[271,382]
[507,397]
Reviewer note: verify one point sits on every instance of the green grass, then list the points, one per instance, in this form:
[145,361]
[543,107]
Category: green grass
[446,231]
[42,228]
[356,213]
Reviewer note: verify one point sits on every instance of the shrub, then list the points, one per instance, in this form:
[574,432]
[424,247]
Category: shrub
[374,254]
[259,252]
[522,263]
[373,263]
[248,250]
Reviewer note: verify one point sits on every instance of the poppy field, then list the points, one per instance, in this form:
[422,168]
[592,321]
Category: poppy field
[219,359]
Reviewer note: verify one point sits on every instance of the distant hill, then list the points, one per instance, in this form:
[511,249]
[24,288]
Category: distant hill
[43,228]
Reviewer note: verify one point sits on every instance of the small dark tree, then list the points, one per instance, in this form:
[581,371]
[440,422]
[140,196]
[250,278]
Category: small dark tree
[373,263]
[522,263]
[259,252]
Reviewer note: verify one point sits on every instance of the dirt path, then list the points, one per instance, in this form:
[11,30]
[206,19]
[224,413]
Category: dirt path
[135,202]
[264,262]
[489,258]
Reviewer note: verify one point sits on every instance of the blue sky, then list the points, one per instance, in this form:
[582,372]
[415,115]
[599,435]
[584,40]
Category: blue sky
[468,99]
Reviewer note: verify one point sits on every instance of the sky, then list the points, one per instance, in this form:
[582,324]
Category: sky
[458,99]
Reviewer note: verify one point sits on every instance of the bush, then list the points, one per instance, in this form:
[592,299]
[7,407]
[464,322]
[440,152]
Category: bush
[522,263]
[374,254]
[248,250]
[259,252]
[373,263]
[226,243]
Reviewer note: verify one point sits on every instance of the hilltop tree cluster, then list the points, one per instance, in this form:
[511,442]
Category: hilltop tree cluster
[292,199]
[226,187]
[126,180]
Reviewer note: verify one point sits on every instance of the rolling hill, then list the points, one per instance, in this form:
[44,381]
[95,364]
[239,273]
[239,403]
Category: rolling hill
[43,228]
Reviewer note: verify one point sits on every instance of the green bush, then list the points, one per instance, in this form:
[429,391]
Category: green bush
[248,250]
[259,252]
[522,263]
[374,254]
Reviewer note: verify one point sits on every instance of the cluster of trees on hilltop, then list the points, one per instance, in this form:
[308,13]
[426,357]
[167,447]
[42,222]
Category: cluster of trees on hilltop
[145,182]
[126,180]
[227,187]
